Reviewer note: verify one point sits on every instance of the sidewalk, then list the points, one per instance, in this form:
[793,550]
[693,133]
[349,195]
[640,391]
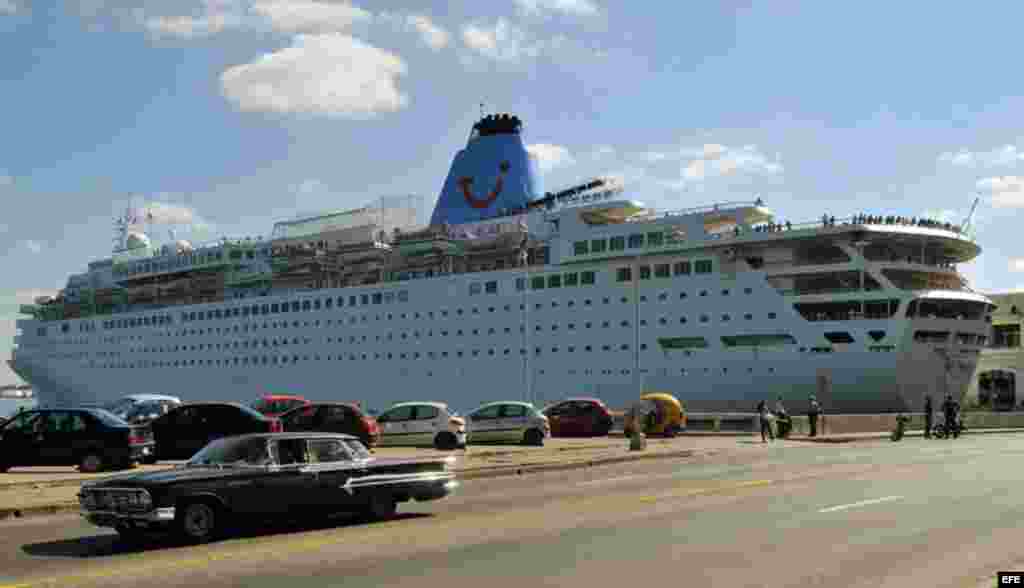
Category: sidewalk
[851,437]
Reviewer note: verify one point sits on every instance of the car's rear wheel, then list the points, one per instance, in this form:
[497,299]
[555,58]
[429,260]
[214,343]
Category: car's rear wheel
[91,463]
[199,522]
[445,441]
[381,507]
[534,437]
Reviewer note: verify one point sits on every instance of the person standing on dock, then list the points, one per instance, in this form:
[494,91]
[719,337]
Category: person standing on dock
[812,416]
[949,410]
[766,422]
[927,417]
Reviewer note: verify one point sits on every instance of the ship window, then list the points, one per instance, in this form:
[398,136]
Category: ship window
[839,337]
[588,278]
[555,281]
[537,283]
[661,270]
[645,272]
[364,299]
[520,284]
[328,303]
[704,318]
[931,336]
[617,243]
[571,279]
[726,318]
[655,239]
[703,266]
[670,343]
[681,268]
[352,300]
[296,306]
[581,248]
[491,287]
[403,296]
[748,316]
[766,340]
[876,335]
[598,246]
[772,315]
[316,304]
[474,289]
[378,298]
[624,274]
[636,240]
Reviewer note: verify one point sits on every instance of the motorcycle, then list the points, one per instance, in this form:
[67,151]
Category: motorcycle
[941,431]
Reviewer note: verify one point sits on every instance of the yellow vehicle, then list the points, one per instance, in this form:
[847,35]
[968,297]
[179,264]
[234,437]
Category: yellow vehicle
[656,414]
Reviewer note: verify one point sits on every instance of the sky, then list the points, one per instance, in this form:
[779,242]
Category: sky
[226,115]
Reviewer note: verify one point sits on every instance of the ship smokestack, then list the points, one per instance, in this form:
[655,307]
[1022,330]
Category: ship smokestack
[493,174]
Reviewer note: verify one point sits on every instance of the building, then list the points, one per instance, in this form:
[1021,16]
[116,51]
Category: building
[1002,363]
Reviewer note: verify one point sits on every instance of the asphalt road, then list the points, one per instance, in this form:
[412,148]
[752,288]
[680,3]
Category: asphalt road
[916,513]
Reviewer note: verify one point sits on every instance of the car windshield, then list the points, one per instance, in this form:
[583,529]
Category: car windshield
[358,450]
[108,418]
[276,406]
[232,452]
[120,406]
[145,409]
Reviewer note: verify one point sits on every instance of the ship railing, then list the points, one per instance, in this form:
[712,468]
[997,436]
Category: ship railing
[719,207]
[859,221]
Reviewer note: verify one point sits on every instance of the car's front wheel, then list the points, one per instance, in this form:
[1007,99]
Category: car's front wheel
[534,437]
[199,522]
[445,441]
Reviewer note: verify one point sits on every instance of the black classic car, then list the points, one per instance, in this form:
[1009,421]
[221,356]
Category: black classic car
[261,476]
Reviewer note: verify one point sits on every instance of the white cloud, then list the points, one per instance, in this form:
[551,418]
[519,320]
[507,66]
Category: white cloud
[8,7]
[32,245]
[162,213]
[718,160]
[1017,265]
[309,16]
[1005,191]
[430,33]
[434,36]
[572,7]
[331,75]
[549,156]
[5,179]
[185,27]
[504,41]
[1005,155]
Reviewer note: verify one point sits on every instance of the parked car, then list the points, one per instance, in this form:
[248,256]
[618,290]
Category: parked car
[91,438]
[332,417]
[275,405]
[422,423]
[142,413]
[127,404]
[656,414]
[579,417]
[508,421]
[259,476]
[182,432]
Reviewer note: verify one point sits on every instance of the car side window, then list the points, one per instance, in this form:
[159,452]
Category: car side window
[513,411]
[21,423]
[327,451]
[184,416]
[489,413]
[306,416]
[291,451]
[395,415]
[426,413]
[76,423]
[339,414]
[560,410]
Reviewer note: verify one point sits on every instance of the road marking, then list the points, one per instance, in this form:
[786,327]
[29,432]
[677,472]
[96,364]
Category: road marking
[861,503]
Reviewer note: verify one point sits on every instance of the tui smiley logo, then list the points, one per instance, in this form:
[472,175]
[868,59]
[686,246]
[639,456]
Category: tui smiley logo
[466,183]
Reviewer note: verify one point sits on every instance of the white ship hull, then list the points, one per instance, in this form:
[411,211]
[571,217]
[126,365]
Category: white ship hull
[625,358]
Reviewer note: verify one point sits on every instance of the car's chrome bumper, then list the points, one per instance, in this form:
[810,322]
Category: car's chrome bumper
[103,518]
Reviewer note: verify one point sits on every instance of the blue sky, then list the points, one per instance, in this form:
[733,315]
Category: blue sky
[231,114]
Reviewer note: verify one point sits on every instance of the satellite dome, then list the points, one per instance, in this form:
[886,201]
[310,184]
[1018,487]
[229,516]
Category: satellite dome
[183,246]
[137,241]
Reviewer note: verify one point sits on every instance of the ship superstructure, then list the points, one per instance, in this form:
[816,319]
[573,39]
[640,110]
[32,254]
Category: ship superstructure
[510,293]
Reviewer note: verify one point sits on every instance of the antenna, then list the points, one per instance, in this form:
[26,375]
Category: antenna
[481,110]
[970,217]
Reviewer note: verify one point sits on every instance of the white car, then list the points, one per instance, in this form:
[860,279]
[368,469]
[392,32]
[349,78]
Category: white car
[509,421]
[422,423]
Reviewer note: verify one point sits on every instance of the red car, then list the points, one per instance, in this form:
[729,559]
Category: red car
[585,417]
[275,405]
[333,417]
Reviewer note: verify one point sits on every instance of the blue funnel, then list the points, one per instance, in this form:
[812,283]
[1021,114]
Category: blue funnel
[494,174]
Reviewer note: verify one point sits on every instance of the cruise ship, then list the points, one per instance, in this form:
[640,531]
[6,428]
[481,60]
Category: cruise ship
[513,293]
